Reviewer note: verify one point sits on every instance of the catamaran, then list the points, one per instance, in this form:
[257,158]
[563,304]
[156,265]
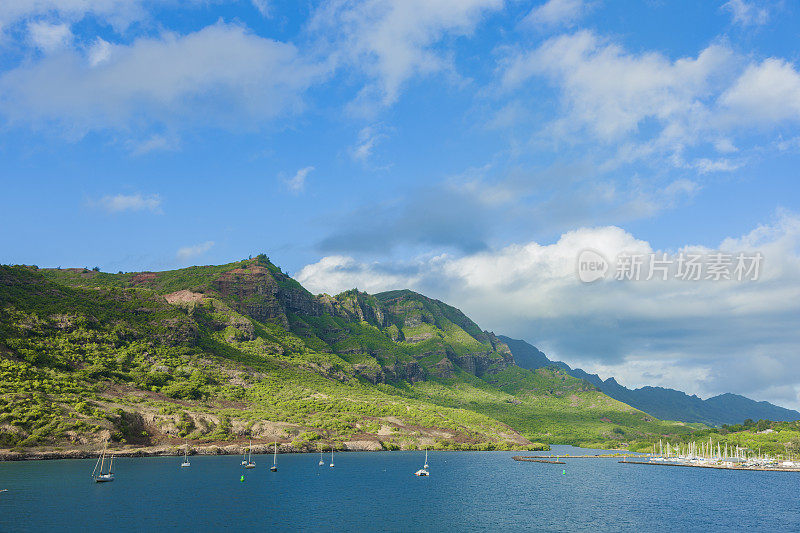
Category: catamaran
[274,467]
[186,463]
[422,472]
[100,477]
[250,463]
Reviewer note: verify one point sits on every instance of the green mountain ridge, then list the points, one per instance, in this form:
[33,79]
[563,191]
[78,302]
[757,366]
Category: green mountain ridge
[222,353]
[662,402]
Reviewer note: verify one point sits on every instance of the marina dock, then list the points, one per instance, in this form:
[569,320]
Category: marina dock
[716,466]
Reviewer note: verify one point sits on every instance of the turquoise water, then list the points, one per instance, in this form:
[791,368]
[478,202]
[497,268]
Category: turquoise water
[467,491]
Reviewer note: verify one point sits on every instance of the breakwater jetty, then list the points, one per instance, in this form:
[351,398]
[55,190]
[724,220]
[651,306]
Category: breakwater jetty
[541,458]
[538,460]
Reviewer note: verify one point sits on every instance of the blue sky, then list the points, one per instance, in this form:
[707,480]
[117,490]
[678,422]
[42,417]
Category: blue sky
[380,144]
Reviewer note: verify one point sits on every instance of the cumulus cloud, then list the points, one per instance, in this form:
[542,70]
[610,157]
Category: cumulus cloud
[611,91]
[49,37]
[236,78]
[393,41]
[737,336]
[190,252]
[297,183]
[647,107]
[747,13]
[120,203]
[555,13]
[767,92]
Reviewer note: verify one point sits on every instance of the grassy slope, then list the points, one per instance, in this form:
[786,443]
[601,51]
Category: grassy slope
[550,406]
[80,353]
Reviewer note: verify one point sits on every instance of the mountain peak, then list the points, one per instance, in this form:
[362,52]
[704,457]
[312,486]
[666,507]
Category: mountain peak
[667,404]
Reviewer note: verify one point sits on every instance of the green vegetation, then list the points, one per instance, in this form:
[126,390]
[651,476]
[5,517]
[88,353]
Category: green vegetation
[243,350]
[762,437]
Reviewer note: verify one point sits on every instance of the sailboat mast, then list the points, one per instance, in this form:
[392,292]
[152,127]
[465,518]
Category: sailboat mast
[97,464]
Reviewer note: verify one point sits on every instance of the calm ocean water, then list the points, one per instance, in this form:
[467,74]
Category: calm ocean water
[467,491]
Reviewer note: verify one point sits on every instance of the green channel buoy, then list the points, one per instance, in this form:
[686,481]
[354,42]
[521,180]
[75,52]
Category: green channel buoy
[564,472]
[242,478]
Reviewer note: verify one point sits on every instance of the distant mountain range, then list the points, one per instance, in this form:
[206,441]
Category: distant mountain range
[666,404]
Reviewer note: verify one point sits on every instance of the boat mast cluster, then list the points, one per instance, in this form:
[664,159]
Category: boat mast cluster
[710,453]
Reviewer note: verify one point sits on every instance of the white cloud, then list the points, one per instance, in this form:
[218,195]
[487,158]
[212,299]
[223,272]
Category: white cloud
[118,13]
[49,37]
[368,138]
[130,202]
[792,143]
[747,13]
[297,183]
[337,273]
[611,91]
[645,106]
[153,143]
[190,252]
[262,6]
[555,13]
[392,41]
[719,335]
[98,52]
[705,165]
[221,75]
[767,92]
[725,146]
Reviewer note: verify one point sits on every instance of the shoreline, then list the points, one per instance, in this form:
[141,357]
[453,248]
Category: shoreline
[174,450]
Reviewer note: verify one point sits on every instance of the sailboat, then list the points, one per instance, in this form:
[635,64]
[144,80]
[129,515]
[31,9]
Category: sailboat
[321,460]
[250,463]
[331,455]
[100,477]
[422,472]
[186,463]
[274,467]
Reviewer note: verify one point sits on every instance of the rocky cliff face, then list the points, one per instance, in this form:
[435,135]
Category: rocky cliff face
[265,295]
[413,337]
[354,305]
[253,292]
